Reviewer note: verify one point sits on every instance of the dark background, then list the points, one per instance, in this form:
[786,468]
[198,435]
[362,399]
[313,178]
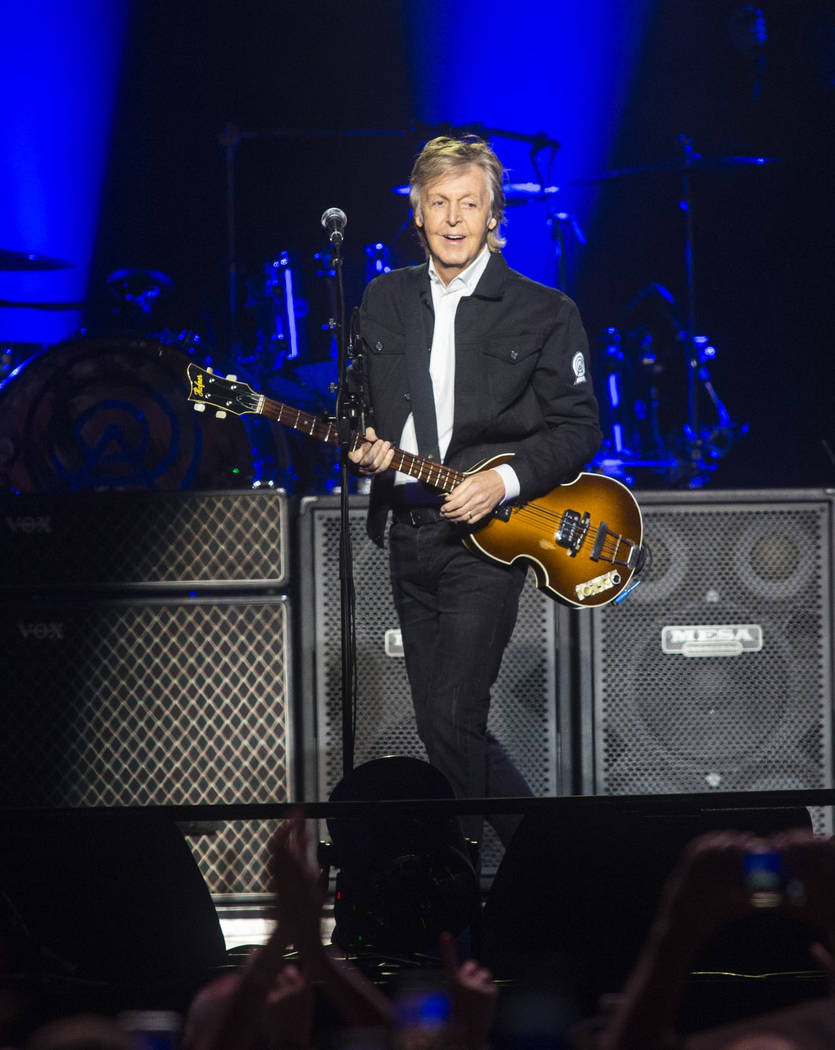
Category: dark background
[307,80]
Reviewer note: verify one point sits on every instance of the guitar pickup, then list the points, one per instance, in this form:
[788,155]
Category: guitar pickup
[572,531]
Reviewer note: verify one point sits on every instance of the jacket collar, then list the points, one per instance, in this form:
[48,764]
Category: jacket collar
[491,285]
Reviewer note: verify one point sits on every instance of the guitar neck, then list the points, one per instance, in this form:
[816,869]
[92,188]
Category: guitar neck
[418,467]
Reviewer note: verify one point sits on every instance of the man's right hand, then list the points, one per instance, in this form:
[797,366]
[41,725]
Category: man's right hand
[374,455]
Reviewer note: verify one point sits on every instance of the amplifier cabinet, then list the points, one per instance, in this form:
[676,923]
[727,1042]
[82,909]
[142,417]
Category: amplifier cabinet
[129,541]
[146,702]
[523,713]
[715,674]
[116,698]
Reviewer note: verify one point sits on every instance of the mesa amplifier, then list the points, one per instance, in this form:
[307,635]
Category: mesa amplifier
[715,674]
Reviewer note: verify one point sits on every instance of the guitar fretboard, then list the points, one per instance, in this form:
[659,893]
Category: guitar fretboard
[426,470]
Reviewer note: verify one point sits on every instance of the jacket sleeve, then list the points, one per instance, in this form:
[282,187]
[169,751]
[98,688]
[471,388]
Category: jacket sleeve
[562,385]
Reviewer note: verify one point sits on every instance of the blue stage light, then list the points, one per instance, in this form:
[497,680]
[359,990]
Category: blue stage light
[59,70]
[563,69]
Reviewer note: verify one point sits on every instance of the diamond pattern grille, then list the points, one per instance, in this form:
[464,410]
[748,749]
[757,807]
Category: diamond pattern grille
[114,539]
[148,703]
[758,721]
[233,858]
[522,714]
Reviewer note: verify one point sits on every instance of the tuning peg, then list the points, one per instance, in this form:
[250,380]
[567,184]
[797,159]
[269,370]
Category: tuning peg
[232,379]
[199,407]
[220,414]
[210,370]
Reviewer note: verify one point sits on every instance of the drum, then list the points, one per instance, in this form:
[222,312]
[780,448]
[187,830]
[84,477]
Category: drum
[111,412]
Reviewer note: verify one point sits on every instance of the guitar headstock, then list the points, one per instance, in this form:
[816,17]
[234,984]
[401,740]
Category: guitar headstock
[223,394]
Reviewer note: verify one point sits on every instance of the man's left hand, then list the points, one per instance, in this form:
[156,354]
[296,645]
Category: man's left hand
[474,498]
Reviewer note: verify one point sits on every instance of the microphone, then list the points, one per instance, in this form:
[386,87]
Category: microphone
[334,220]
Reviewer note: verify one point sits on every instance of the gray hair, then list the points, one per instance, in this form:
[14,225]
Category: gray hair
[444,154]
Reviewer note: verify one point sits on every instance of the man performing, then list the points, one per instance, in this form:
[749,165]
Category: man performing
[464,358]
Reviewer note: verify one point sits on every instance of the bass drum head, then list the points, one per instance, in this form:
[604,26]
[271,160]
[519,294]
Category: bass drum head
[101,412]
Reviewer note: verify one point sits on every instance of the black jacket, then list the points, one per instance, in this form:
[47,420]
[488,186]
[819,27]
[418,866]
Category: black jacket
[522,381]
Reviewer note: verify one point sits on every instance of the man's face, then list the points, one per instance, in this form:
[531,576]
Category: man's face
[455,216]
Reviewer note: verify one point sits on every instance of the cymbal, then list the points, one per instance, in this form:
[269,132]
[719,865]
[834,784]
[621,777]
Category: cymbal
[16,304]
[679,166]
[30,261]
[136,283]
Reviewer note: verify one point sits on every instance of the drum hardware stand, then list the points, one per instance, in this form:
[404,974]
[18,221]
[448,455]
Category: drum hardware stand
[698,348]
[559,221]
[630,449]
[692,429]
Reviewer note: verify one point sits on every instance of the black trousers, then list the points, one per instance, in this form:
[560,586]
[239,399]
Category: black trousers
[457,611]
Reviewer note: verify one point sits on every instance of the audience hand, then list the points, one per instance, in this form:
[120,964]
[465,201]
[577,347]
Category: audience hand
[473,997]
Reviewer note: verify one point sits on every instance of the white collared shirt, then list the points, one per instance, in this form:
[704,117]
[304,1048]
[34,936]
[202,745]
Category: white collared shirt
[445,299]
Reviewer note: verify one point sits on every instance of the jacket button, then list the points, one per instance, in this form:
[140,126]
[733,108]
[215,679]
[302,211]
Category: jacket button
[514,355]
[407,397]
[378,346]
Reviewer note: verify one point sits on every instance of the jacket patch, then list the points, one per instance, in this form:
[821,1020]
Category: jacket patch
[578,364]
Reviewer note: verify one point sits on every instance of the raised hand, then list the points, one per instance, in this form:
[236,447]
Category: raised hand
[298,886]
[473,997]
[809,893]
[289,1011]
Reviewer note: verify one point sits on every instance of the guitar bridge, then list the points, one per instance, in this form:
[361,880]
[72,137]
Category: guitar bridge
[572,531]
[614,548]
[603,533]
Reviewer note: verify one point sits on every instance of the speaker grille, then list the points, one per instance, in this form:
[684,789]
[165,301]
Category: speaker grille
[760,720]
[144,703]
[144,539]
[522,714]
[234,856]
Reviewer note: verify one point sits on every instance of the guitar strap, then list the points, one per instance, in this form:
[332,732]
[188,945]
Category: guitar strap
[418,315]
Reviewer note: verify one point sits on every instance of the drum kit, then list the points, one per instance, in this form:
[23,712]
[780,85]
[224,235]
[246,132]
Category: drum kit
[106,407]
[651,434]
[62,429]
[106,410]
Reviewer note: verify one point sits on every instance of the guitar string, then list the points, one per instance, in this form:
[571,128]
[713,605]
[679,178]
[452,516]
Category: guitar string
[323,428]
[610,544]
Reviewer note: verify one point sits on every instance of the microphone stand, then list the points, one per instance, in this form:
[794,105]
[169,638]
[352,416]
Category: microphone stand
[349,418]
